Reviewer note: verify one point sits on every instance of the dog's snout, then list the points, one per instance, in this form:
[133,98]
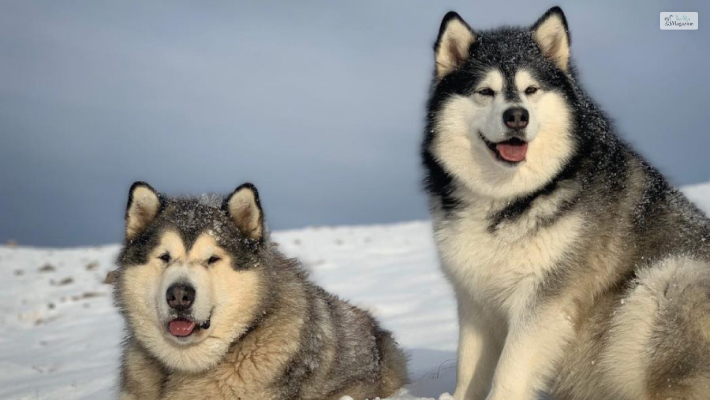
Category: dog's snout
[516,118]
[180,296]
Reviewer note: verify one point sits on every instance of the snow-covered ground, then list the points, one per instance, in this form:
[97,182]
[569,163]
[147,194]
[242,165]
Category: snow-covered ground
[61,334]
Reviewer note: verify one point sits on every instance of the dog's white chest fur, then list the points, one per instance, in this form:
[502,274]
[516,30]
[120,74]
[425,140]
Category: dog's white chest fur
[504,266]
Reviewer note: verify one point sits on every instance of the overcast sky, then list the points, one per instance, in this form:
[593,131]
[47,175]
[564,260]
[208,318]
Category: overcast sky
[320,104]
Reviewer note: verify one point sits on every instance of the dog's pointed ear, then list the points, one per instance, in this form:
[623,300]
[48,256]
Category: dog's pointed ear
[244,208]
[552,36]
[144,204]
[453,44]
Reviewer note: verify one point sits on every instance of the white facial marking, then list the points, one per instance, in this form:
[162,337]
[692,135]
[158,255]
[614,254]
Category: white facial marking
[524,81]
[462,121]
[228,298]
[488,118]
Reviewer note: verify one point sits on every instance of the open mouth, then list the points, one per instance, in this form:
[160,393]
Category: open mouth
[184,327]
[511,151]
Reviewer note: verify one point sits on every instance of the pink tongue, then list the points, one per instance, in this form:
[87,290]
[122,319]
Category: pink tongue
[512,152]
[181,327]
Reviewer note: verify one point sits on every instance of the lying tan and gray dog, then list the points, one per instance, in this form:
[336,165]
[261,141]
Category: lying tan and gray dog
[214,311]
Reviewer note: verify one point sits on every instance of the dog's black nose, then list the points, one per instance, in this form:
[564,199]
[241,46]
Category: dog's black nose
[180,296]
[516,118]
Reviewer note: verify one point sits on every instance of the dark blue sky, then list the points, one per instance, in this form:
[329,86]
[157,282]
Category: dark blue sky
[320,104]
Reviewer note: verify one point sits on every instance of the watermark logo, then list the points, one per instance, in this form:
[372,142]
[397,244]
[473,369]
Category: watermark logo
[679,20]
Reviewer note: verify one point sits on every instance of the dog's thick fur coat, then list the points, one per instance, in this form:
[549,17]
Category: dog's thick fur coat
[260,329]
[578,270]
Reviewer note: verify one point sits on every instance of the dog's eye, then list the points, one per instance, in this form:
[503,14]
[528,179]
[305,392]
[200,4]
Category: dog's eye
[486,92]
[165,257]
[531,90]
[213,260]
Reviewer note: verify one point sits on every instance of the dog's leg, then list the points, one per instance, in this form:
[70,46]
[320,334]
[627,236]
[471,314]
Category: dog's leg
[533,346]
[480,339]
